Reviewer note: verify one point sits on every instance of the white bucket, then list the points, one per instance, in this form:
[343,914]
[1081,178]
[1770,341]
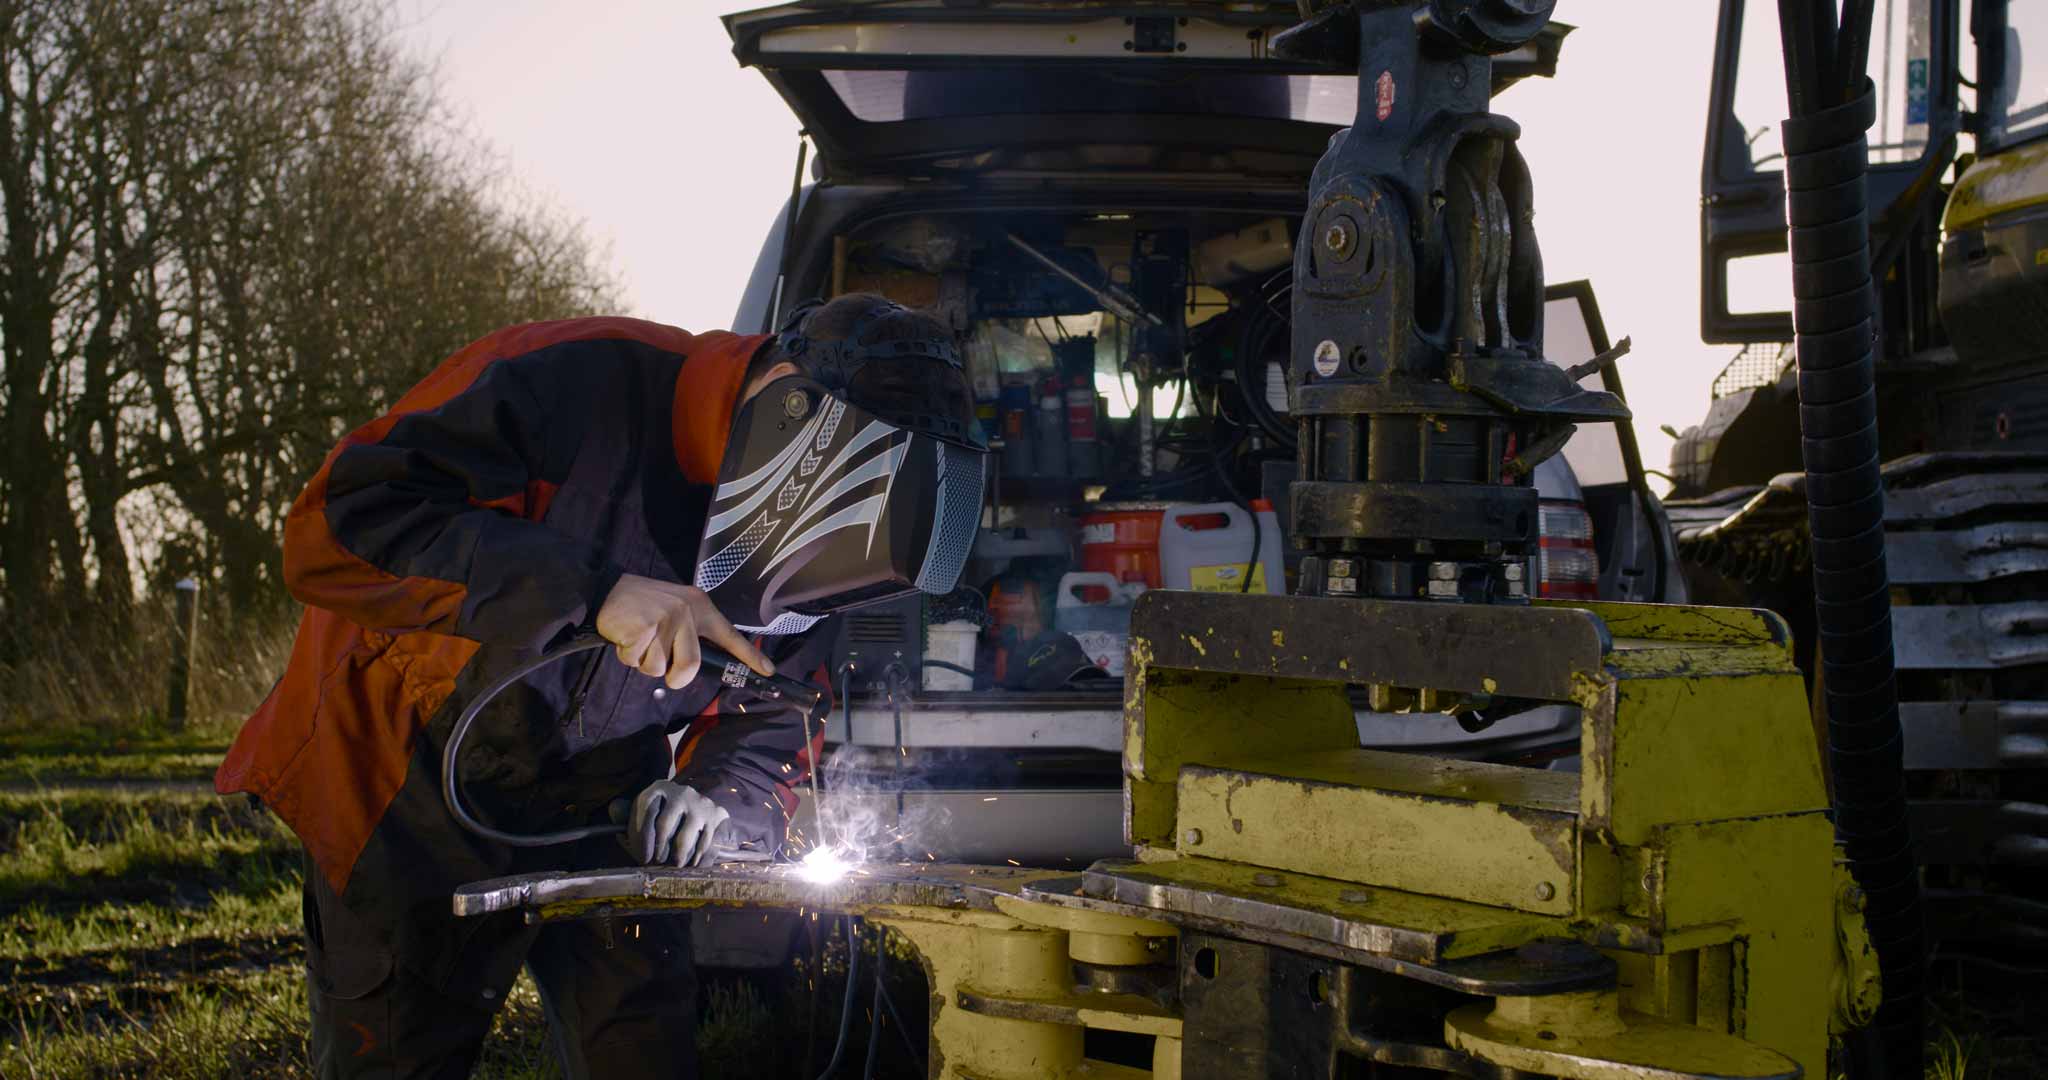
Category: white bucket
[952,643]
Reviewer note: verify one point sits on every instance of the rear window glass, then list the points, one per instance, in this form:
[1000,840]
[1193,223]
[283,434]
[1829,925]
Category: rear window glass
[883,96]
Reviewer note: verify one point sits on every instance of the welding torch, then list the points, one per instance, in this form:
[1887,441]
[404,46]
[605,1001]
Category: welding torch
[731,672]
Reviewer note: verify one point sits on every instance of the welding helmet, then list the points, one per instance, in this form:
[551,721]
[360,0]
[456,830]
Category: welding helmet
[826,503]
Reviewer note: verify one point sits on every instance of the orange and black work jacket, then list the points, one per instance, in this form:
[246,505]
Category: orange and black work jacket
[480,521]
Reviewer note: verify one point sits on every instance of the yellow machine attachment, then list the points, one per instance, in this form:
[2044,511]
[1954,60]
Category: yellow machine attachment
[1686,878]
[1300,906]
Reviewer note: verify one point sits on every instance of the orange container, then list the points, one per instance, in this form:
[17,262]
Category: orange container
[1123,539]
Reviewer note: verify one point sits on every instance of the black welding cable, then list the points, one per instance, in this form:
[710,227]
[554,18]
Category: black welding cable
[867,1069]
[451,786]
[902,1029]
[845,1005]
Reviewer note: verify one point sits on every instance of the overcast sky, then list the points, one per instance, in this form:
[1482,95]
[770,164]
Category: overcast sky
[632,115]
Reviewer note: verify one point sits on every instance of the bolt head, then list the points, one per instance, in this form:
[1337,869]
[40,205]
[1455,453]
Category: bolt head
[1191,837]
[1338,237]
[1545,890]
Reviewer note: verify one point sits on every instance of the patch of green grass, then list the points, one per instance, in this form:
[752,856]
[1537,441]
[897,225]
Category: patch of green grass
[141,753]
[110,768]
[160,846]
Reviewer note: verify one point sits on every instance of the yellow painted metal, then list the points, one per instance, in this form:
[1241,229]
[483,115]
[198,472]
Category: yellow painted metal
[1166,1058]
[1401,925]
[1694,846]
[1017,961]
[1675,735]
[2016,179]
[1490,834]
[1858,985]
[1589,1036]
[1770,880]
[1174,718]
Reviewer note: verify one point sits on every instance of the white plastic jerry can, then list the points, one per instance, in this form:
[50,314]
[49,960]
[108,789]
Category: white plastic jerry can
[1207,547]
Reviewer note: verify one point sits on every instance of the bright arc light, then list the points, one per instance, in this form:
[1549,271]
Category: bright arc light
[824,865]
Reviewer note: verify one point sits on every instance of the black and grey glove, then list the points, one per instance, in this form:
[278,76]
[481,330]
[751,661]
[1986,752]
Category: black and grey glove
[673,824]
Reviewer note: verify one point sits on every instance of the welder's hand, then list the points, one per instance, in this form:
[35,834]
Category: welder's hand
[656,624]
[674,825]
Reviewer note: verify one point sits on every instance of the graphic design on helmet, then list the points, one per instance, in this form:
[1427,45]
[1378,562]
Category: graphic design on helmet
[822,506]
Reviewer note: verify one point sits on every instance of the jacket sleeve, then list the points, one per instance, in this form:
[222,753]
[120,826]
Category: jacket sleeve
[428,518]
[747,753]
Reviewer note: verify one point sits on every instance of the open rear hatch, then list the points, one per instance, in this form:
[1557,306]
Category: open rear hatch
[931,87]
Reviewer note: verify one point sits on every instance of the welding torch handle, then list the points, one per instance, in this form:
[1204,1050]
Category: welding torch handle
[731,672]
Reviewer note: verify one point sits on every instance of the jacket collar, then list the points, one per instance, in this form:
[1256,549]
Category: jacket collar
[707,395]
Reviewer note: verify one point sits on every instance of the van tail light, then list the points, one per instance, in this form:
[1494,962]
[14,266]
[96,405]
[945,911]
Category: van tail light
[1567,568]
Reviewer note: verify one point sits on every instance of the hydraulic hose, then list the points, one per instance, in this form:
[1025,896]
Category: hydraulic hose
[1834,315]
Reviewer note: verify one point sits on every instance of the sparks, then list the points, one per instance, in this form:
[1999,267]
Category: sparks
[824,865]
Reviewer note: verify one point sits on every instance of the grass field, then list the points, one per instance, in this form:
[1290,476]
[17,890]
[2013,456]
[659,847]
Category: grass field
[151,929]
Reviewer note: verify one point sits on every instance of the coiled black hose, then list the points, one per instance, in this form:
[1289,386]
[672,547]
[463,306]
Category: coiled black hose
[1834,316]
[451,783]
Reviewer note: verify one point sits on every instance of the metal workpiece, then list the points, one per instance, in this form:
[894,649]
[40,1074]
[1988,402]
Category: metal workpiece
[649,889]
[1009,997]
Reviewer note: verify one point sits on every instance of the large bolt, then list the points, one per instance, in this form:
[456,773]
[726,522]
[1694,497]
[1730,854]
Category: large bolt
[1338,237]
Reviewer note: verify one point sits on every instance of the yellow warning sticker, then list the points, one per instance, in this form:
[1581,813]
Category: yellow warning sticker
[1228,577]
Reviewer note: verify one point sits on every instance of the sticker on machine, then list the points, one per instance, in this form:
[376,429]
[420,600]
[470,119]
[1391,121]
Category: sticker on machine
[1383,100]
[1326,358]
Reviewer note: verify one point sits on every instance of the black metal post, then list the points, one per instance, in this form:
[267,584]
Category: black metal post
[184,634]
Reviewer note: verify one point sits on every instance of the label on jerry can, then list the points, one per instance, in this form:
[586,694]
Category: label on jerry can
[1229,577]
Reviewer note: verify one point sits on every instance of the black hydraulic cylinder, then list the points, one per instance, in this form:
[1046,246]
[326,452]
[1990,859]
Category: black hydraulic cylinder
[1834,315]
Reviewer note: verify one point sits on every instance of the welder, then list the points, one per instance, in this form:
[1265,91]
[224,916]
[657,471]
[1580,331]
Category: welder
[549,482]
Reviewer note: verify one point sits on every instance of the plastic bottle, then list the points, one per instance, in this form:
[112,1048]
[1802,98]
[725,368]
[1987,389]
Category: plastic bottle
[1084,453]
[1207,547]
[1049,430]
[1014,412]
[1095,608]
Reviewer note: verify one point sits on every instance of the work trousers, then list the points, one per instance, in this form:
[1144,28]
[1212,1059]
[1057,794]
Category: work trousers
[620,996]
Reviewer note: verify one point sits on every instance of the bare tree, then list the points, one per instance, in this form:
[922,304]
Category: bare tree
[232,230]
